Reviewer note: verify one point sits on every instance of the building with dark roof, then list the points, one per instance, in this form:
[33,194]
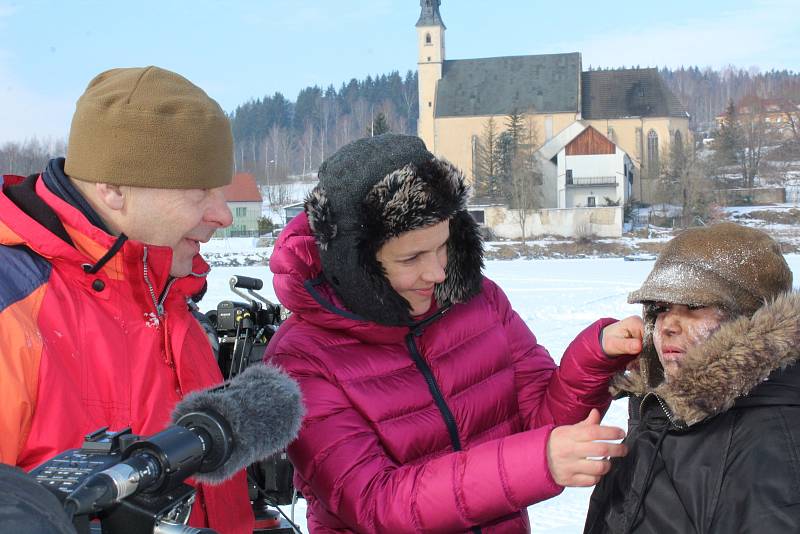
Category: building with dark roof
[245,202]
[633,108]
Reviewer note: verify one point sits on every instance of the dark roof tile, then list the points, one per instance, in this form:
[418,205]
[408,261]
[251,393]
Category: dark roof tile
[500,85]
[614,94]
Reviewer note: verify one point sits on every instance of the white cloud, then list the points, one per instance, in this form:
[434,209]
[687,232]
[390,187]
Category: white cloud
[763,35]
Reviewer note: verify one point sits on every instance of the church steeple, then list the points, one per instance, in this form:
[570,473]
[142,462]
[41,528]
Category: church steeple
[430,14]
[430,45]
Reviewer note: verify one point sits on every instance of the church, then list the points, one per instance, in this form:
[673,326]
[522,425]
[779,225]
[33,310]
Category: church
[617,125]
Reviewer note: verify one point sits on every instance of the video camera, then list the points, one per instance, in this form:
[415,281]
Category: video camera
[134,485]
[242,331]
[165,511]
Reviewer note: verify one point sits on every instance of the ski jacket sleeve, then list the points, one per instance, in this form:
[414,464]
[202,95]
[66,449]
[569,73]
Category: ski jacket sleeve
[20,352]
[563,394]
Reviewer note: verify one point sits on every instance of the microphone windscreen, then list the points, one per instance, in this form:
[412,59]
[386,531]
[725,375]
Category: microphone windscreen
[264,409]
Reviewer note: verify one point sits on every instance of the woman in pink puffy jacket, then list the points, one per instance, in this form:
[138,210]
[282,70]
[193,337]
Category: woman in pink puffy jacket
[430,405]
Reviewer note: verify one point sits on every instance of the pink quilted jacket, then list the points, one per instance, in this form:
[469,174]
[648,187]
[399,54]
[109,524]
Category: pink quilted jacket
[439,428]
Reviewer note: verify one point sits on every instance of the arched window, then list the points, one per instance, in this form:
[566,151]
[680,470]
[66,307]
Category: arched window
[427,38]
[678,137]
[652,153]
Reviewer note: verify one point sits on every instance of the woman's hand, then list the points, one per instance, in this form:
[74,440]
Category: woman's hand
[571,449]
[623,338]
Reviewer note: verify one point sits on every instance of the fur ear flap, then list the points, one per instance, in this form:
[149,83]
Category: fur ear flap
[463,277]
[320,217]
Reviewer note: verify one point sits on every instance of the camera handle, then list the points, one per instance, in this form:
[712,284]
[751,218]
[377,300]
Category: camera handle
[250,284]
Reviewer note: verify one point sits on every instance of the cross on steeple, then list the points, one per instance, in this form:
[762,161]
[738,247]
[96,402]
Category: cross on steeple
[429,16]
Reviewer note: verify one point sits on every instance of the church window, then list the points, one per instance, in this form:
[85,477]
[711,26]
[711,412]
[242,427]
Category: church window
[430,105]
[427,38]
[652,153]
[678,137]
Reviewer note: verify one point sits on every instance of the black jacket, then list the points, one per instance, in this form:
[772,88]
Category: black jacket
[718,449]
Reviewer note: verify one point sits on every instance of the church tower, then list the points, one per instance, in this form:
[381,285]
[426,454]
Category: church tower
[430,42]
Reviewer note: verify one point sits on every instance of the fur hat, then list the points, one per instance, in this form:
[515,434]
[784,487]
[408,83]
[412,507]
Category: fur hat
[149,127]
[375,189]
[733,267]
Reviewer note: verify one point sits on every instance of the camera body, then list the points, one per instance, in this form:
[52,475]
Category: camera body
[160,513]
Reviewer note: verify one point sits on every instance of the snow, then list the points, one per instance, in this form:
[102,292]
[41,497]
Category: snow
[557,299]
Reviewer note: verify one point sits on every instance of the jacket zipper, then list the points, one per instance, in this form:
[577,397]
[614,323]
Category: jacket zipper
[438,398]
[157,302]
[670,416]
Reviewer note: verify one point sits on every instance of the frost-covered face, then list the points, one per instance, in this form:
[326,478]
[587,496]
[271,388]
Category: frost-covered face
[678,328]
[414,263]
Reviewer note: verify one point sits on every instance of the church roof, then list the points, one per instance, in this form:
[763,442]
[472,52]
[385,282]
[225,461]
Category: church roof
[499,85]
[614,94]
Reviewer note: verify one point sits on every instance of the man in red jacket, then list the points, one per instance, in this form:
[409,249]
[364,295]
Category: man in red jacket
[98,256]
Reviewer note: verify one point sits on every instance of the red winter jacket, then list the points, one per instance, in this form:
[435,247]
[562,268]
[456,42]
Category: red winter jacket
[80,351]
[374,453]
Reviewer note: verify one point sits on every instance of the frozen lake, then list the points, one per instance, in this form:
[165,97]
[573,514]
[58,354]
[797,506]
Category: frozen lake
[557,299]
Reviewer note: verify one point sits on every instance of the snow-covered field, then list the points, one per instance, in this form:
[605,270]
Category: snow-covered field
[556,298]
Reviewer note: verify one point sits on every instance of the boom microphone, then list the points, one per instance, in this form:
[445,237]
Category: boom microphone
[264,409]
[216,433]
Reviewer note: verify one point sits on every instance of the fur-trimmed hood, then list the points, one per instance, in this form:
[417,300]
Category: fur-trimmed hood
[725,369]
[374,190]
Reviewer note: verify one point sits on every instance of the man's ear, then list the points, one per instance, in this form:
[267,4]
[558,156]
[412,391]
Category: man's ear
[110,195]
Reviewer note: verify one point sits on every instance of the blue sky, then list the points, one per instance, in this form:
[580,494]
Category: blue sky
[238,50]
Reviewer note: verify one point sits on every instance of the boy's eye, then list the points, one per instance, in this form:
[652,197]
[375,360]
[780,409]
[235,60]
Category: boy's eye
[693,307]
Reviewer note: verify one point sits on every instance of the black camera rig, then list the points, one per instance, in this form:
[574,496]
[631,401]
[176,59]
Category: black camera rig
[239,333]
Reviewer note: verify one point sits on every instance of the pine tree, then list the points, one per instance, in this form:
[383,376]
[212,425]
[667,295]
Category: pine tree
[379,125]
[729,142]
[485,165]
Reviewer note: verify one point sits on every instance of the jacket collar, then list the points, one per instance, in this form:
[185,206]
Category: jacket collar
[744,363]
[91,244]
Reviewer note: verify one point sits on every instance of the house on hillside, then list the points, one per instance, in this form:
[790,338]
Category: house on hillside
[779,116]
[245,202]
[632,108]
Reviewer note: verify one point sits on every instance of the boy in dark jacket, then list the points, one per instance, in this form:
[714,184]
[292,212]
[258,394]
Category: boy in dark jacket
[714,429]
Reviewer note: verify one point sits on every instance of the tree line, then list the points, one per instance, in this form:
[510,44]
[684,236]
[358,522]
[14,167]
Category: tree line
[706,93]
[276,137]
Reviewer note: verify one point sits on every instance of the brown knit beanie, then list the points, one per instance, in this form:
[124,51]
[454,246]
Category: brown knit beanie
[149,127]
[727,265]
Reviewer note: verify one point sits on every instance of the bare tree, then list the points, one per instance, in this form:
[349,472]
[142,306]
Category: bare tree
[687,180]
[278,196]
[526,178]
[29,156]
[754,133]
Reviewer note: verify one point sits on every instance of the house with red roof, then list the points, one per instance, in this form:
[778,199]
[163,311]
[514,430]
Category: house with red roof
[245,202]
